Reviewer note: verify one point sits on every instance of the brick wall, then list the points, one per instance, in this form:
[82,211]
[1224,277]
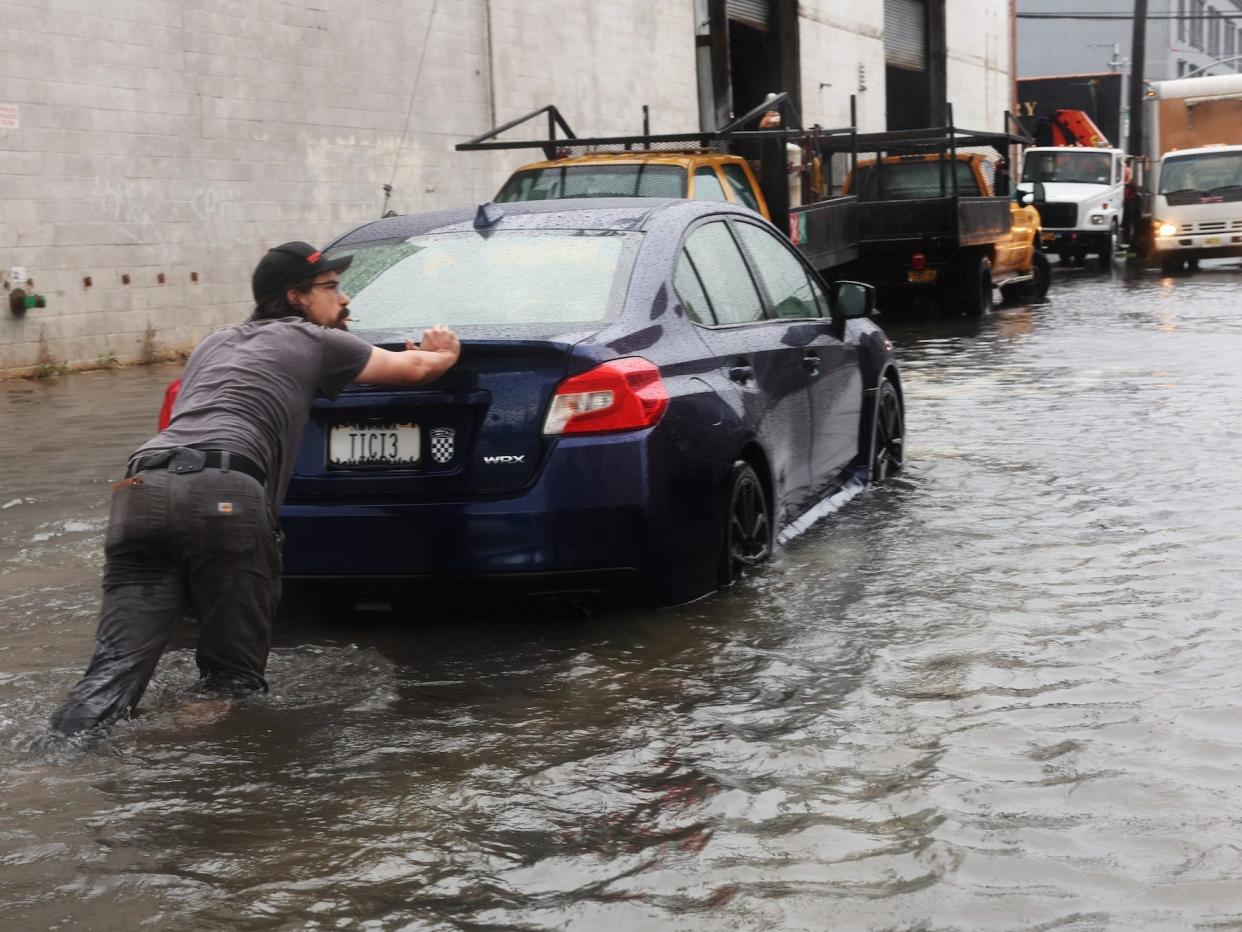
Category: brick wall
[174,138]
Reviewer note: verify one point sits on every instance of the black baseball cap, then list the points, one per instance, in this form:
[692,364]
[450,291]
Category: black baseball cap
[289,263]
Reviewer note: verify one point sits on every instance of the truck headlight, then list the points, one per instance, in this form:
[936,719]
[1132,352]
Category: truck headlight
[1165,229]
[1097,218]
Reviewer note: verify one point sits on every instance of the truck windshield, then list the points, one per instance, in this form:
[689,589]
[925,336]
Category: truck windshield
[1068,166]
[1216,174]
[541,184]
[505,277]
[909,180]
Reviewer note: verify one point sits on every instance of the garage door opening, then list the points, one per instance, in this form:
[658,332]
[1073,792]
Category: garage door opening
[914,57]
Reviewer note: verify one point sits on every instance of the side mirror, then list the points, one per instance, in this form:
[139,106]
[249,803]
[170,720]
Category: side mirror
[1039,196]
[1027,199]
[853,299]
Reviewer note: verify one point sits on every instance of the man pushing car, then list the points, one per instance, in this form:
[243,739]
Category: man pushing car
[193,524]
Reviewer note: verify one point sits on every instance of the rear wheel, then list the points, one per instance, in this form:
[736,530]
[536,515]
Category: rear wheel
[748,524]
[888,434]
[977,287]
[1108,247]
[1036,289]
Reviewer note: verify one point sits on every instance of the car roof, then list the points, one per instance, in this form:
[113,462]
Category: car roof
[605,213]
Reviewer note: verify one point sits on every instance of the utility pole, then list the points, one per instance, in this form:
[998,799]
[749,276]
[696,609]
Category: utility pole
[1138,61]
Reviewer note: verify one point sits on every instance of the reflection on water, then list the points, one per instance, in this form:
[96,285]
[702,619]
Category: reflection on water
[1000,692]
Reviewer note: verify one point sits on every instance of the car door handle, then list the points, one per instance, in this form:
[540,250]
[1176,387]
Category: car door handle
[810,362]
[742,374]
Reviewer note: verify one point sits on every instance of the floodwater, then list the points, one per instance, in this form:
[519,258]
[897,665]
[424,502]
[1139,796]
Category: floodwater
[1003,692]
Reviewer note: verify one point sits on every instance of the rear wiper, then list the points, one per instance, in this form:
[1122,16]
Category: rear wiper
[1224,187]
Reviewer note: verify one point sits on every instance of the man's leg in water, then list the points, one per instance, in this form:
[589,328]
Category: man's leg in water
[234,580]
[143,599]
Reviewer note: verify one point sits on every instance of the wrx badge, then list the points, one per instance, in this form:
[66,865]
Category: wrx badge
[443,441]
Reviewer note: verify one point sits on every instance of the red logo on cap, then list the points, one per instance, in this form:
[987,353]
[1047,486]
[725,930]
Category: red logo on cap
[313,257]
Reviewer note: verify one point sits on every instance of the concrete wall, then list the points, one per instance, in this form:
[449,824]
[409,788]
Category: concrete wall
[174,138]
[843,47]
[977,34]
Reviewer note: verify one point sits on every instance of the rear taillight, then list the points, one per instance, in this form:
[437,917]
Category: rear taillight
[918,261]
[625,394]
[170,399]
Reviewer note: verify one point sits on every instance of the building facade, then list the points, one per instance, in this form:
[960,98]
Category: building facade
[151,150]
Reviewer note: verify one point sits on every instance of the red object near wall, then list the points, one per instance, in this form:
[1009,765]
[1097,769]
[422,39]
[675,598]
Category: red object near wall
[170,399]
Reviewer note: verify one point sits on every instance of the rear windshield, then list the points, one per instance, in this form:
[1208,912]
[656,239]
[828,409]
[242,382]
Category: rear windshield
[1215,174]
[909,180]
[501,278]
[541,184]
[1072,167]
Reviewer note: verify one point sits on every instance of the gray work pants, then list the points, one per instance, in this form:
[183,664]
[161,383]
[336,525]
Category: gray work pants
[204,540]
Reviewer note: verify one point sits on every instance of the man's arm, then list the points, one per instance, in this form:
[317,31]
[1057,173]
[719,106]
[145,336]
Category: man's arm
[415,364]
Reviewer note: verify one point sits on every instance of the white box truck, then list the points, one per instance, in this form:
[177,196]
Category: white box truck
[1194,140]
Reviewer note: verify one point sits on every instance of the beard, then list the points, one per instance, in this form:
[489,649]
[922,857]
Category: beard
[342,320]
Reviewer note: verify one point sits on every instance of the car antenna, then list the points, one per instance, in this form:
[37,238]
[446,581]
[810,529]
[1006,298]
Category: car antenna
[487,215]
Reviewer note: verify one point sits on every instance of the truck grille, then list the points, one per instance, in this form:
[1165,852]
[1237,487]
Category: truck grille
[1211,226]
[1057,215]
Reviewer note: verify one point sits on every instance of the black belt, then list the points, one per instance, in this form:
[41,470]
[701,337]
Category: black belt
[213,459]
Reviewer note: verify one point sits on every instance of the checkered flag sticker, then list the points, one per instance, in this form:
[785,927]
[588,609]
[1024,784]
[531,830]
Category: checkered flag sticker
[443,441]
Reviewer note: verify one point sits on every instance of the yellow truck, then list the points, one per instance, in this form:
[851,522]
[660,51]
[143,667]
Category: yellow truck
[932,223]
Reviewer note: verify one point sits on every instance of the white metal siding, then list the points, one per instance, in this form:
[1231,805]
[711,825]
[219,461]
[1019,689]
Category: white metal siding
[756,13]
[905,34]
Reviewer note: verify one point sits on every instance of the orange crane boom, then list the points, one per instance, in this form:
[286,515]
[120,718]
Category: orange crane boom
[1075,128]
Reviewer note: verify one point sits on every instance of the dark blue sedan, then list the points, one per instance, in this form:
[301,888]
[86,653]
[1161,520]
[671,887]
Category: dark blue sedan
[648,392]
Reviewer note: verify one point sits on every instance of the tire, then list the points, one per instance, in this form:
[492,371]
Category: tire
[1109,248]
[977,287]
[1170,265]
[1035,290]
[748,524]
[888,434]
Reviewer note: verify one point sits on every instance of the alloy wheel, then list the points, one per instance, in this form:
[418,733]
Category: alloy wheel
[888,443]
[750,531]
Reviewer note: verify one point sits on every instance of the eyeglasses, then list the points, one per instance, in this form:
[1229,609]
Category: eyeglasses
[331,286]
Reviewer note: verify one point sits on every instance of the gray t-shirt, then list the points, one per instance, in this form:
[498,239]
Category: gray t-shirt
[248,389]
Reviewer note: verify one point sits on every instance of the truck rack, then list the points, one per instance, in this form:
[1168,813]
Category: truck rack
[825,230]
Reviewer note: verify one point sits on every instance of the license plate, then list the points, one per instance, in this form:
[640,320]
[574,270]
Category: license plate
[374,445]
[1212,241]
[921,276]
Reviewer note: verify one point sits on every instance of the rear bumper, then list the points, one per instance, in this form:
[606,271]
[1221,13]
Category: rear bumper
[592,512]
[586,509]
